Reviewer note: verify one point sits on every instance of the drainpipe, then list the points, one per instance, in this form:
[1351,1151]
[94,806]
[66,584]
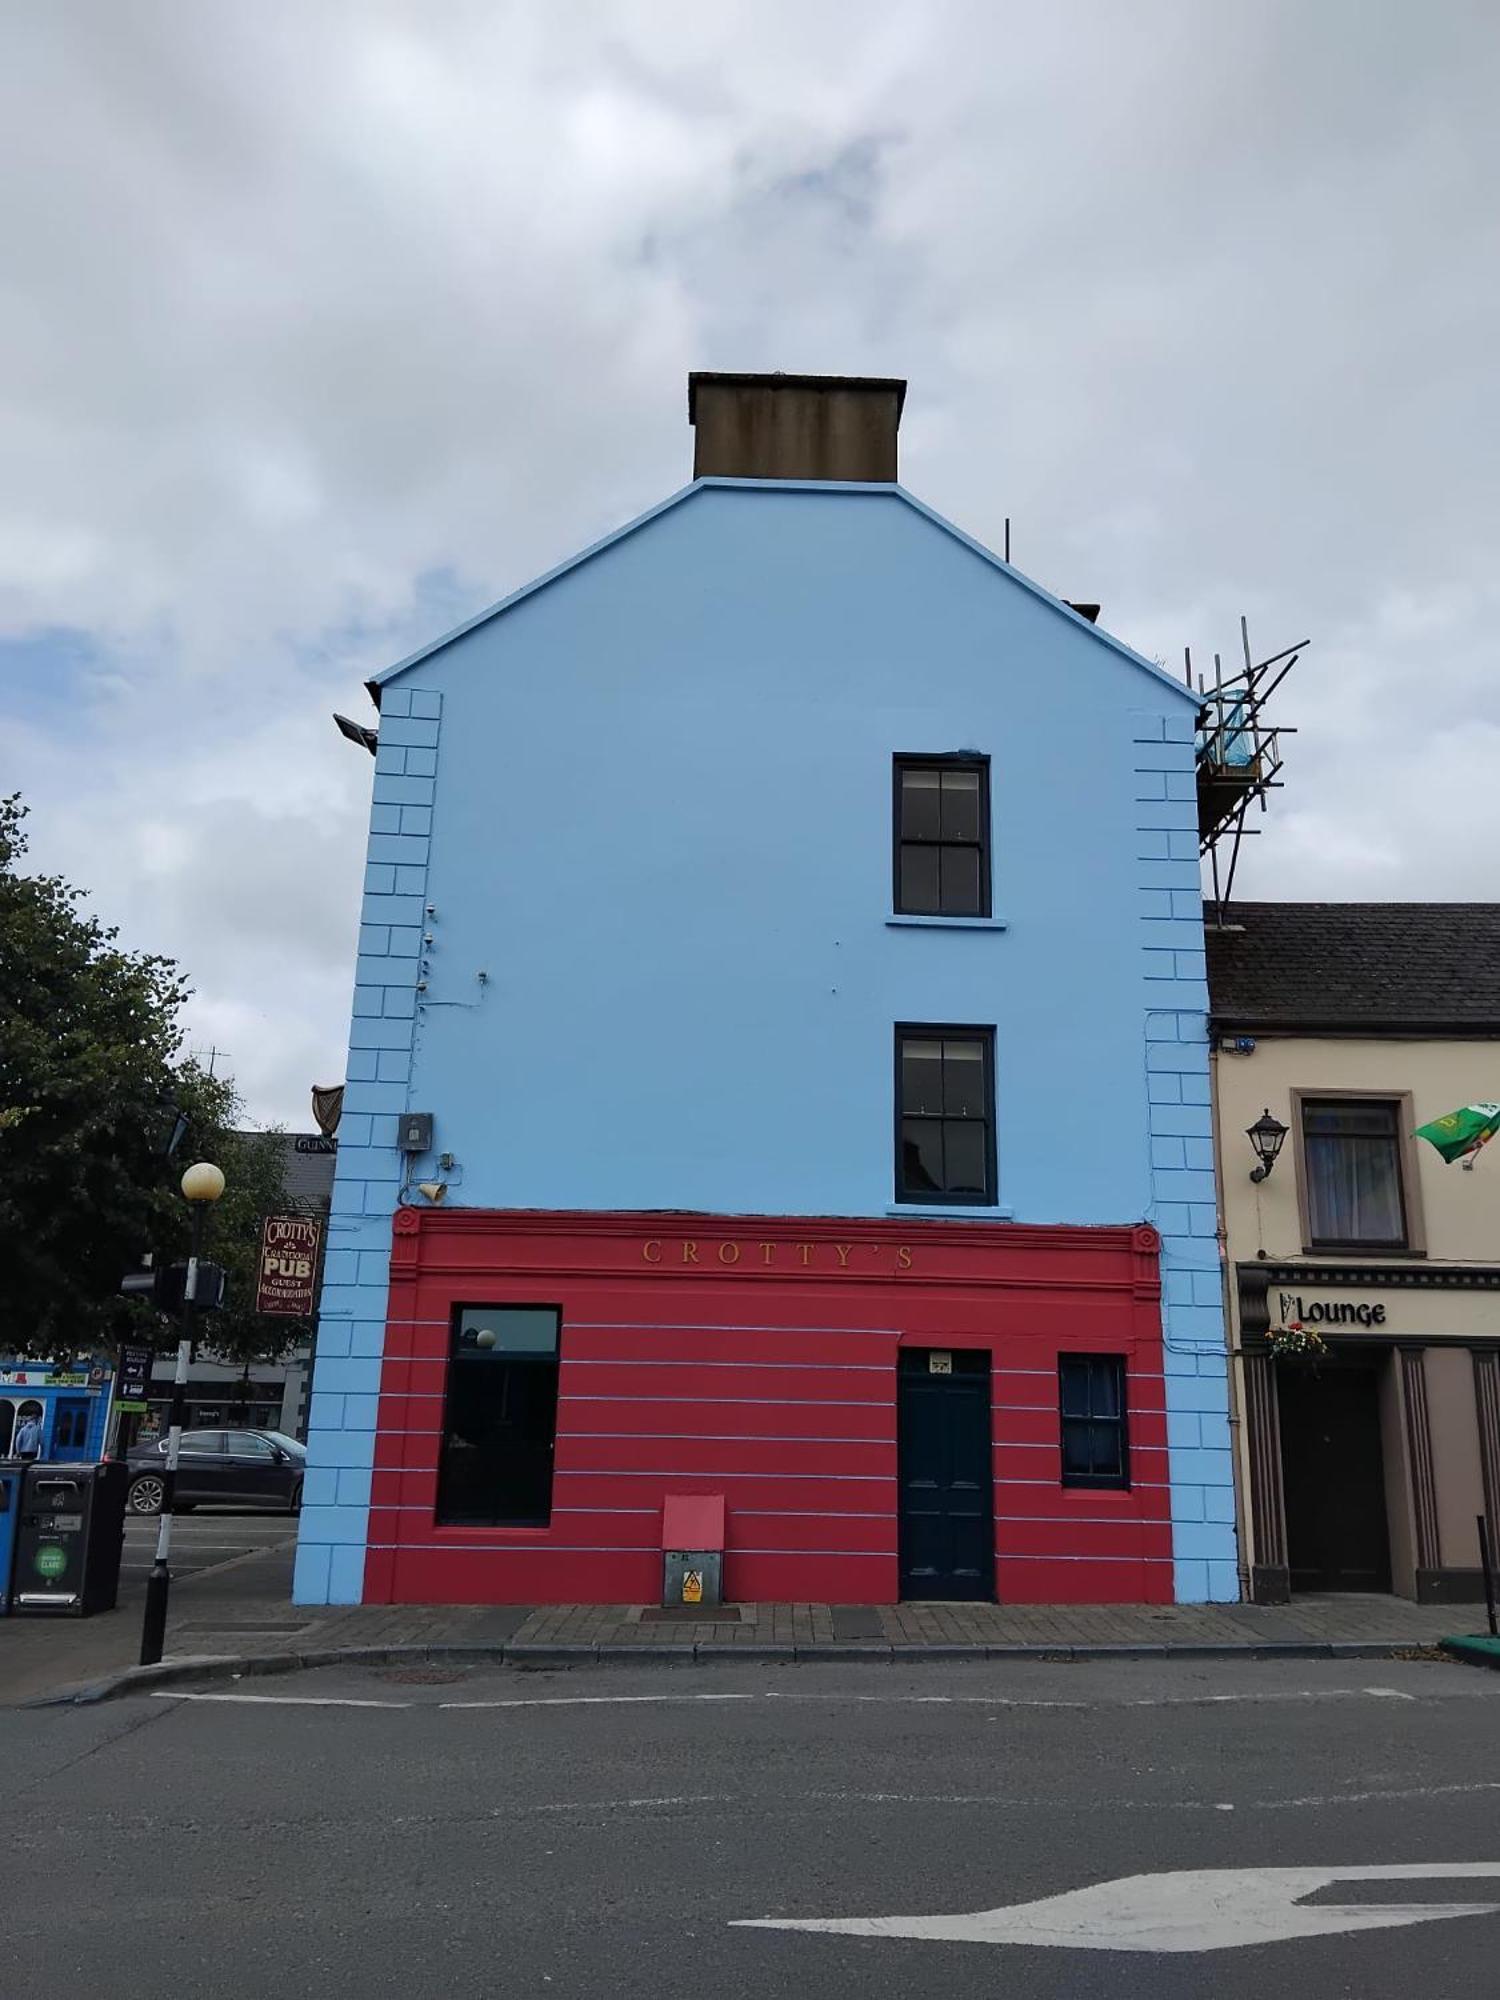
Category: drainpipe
[1233,1365]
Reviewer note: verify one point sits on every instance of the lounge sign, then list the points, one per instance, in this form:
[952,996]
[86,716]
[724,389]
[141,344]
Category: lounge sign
[287,1278]
[1329,1312]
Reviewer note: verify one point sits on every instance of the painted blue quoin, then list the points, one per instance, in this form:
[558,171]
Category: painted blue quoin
[627,928]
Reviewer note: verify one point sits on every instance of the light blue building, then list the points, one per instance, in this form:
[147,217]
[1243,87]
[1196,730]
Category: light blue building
[787,854]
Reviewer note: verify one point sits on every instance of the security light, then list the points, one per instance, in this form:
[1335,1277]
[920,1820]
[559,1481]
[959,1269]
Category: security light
[357,733]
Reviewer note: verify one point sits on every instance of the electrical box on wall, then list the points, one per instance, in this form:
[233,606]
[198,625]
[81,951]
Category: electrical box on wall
[416,1132]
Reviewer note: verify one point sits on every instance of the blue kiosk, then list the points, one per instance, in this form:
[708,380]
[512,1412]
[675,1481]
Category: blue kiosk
[71,1401]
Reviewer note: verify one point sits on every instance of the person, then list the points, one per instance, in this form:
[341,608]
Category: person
[29,1436]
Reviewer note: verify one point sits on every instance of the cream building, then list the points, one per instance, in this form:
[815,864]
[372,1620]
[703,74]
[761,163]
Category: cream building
[1365,1468]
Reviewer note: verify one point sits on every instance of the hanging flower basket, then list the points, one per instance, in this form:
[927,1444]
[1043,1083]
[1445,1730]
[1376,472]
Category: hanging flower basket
[1296,1342]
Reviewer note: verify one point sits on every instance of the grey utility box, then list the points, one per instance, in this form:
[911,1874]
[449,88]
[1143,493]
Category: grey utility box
[692,1576]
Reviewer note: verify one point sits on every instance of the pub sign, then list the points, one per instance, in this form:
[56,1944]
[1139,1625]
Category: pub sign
[287,1278]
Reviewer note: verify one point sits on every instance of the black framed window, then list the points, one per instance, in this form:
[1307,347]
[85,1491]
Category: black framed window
[942,836]
[1091,1399]
[1351,1157]
[500,1417]
[945,1114]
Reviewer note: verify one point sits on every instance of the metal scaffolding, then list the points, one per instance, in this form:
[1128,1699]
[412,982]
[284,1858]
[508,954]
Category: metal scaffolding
[1239,758]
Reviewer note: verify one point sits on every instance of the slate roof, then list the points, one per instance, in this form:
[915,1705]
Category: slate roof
[306,1177]
[1341,968]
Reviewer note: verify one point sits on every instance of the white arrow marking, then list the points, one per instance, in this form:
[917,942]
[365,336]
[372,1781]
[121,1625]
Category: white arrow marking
[1197,1909]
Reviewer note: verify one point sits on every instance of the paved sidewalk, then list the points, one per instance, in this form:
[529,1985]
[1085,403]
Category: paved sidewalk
[238,1609]
[1388,1622]
[238,1617]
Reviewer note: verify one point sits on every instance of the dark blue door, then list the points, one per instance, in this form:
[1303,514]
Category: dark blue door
[70,1427]
[947,1485]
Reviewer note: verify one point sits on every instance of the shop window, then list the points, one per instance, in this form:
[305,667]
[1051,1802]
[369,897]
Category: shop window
[945,1115]
[1091,1397]
[942,836]
[1353,1194]
[500,1417]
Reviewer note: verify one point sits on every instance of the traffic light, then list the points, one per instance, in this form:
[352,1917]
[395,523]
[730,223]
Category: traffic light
[148,1286]
[213,1286]
[164,1288]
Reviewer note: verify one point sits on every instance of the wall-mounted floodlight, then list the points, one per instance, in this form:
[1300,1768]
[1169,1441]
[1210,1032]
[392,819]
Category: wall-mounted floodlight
[357,733]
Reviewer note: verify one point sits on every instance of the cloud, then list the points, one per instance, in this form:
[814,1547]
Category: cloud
[321,327]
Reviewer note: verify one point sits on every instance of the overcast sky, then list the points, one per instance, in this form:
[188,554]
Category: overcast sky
[324,324]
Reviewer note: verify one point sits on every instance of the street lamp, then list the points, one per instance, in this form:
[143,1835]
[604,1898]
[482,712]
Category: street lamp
[1266,1136]
[201,1187]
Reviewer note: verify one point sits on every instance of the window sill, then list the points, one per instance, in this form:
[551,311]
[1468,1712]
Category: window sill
[899,923]
[1371,1253]
[466,1531]
[953,1211]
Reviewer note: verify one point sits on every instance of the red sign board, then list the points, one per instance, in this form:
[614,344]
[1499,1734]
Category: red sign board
[287,1278]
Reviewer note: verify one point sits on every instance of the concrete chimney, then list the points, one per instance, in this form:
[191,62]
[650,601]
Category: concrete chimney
[794,426]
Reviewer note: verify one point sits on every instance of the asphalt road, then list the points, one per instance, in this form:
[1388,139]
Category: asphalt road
[576,1839]
[200,1540]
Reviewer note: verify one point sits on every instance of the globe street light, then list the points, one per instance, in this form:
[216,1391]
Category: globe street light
[201,1187]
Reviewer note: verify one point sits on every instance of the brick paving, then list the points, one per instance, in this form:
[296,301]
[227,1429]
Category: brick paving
[242,1610]
[1310,1621]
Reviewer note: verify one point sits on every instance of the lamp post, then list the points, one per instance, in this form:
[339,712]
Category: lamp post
[1266,1136]
[201,1187]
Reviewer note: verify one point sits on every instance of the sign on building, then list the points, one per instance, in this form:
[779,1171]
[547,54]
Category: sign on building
[287,1278]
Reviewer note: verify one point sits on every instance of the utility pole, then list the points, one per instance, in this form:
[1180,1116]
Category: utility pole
[201,1186]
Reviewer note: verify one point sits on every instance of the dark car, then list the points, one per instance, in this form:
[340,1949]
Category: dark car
[220,1469]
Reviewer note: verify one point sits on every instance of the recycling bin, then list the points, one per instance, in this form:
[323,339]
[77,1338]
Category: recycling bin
[69,1540]
[12,1471]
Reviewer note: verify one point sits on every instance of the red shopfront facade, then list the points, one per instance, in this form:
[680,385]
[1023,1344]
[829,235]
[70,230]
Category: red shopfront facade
[765,1359]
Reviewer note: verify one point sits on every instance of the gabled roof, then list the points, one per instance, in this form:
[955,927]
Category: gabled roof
[1349,968]
[862,489]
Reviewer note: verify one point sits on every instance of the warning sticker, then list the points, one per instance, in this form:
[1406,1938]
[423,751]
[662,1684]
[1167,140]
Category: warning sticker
[692,1586]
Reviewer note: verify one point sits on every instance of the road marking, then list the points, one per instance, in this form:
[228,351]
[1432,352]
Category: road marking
[633,1805]
[596,1700]
[278,1700]
[998,1701]
[1202,1909]
[992,1702]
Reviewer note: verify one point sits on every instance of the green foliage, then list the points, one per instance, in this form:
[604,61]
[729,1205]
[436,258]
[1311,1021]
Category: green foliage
[90,1064]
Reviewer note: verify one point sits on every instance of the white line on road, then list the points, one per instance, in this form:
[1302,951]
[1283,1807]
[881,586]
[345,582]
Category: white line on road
[785,1802]
[596,1700]
[278,1700]
[1026,1802]
[833,1700]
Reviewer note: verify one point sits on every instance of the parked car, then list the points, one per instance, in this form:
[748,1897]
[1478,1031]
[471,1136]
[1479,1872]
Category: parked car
[220,1468]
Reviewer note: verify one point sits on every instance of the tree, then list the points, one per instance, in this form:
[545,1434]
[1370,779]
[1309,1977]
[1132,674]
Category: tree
[91,1082]
[252,1167]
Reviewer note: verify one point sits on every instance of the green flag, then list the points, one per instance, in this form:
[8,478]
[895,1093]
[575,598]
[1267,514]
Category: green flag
[1462,1131]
